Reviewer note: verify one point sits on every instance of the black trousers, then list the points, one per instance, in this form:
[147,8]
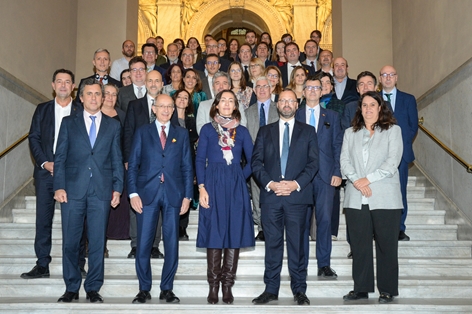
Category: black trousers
[383,225]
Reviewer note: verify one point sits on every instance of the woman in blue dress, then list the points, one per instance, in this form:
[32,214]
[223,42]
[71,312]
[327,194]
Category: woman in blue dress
[225,223]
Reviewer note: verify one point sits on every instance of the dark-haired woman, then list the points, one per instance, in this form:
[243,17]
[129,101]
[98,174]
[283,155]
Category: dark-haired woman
[370,155]
[174,75]
[192,83]
[328,99]
[225,223]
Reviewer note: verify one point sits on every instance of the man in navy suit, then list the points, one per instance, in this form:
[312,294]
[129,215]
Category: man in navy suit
[88,178]
[42,138]
[149,52]
[329,135]
[344,86]
[160,178]
[285,160]
[101,62]
[292,53]
[262,52]
[405,111]
[212,48]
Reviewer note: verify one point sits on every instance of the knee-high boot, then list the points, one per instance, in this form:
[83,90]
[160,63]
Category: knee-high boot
[213,274]
[228,274]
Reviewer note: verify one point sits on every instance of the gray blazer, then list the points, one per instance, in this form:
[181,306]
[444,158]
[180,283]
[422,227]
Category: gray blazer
[203,114]
[252,115]
[385,154]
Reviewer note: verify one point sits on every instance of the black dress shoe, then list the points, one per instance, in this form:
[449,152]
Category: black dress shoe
[183,236]
[69,297]
[155,253]
[403,236]
[142,297]
[352,296]
[169,296]
[264,298]
[301,299]
[132,253]
[94,297]
[385,297]
[327,272]
[83,272]
[36,272]
[349,255]
[260,236]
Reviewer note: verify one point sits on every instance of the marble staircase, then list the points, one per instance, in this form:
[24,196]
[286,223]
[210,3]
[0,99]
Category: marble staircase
[435,272]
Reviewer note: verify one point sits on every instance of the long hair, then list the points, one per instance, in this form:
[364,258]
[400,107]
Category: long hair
[278,86]
[385,120]
[292,84]
[189,110]
[198,86]
[242,82]
[275,57]
[235,115]
[169,71]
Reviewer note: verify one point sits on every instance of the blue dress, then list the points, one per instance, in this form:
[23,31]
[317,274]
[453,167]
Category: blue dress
[228,222]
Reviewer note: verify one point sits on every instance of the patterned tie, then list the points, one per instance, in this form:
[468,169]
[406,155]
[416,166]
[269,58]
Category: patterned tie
[262,118]
[163,143]
[285,147]
[312,118]
[93,131]
[140,92]
[152,115]
[388,97]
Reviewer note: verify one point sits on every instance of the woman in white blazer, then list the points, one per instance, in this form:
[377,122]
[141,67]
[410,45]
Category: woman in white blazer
[370,155]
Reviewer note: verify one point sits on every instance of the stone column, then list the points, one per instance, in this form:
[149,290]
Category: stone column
[168,20]
[304,21]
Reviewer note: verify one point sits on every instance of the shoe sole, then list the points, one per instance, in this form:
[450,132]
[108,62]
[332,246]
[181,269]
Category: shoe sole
[34,277]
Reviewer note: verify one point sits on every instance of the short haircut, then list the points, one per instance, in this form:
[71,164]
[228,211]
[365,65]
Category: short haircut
[310,41]
[136,60]
[172,44]
[101,50]
[263,43]
[290,90]
[286,35]
[221,38]
[317,32]
[250,31]
[149,45]
[221,74]
[189,110]
[169,71]
[385,120]
[364,74]
[262,78]
[111,85]
[214,55]
[207,35]
[123,44]
[291,44]
[213,111]
[313,78]
[88,82]
[247,45]
[72,77]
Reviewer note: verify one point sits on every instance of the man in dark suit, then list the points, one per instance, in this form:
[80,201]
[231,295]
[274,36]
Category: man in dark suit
[259,114]
[212,66]
[405,111]
[245,55]
[212,48]
[285,160]
[101,62]
[262,52]
[137,68]
[311,54]
[316,36]
[88,178]
[42,138]
[344,87]
[329,135]
[160,179]
[139,114]
[292,54]
[172,56]
[150,54]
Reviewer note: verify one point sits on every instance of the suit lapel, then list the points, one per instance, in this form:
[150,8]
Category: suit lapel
[170,137]
[79,120]
[321,123]
[101,131]
[273,114]
[296,133]
[274,132]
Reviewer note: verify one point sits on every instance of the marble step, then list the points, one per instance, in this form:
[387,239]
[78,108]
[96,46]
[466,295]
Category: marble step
[246,286]
[459,249]
[46,305]
[248,265]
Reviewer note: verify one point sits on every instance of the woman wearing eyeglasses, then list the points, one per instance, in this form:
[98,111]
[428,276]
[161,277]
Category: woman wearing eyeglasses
[238,85]
[274,76]
[256,69]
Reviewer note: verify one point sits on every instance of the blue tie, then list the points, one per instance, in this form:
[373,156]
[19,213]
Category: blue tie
[93,131]
[262,119]
[312,118]
[285,147]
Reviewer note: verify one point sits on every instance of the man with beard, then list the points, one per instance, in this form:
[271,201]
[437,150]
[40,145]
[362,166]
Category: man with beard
[284,162]
[128,50]
[172,56]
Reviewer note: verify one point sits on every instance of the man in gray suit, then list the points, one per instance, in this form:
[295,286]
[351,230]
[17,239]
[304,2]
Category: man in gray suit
[259,114]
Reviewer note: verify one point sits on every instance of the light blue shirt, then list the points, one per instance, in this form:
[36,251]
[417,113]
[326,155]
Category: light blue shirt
[266,105]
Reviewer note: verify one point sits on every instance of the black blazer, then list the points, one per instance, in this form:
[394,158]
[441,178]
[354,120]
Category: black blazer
[200,65]
[126,95]
[283,70]
[41,134]
[137,115]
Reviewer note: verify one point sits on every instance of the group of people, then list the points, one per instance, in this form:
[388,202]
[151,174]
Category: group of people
[252,134]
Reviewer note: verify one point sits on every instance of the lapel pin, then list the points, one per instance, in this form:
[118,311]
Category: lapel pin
[327,125]
[174,140]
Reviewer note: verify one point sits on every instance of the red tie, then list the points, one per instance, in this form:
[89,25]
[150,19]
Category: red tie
[163,143]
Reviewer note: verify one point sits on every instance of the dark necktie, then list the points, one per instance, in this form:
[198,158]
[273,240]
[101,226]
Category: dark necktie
[388,97]
[285,148]
[152,115]
[262,118]
[313,65]
[246,74]
[163,143]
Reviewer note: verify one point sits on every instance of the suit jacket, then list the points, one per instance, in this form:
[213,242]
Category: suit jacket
[166,65]
[269,62]
[76,162]
[406,113]
[350,92]
[385,154]
[41,134]
[110,80]
[148,161]
[126,95]
[350,112]
[205,86]
[138,114]
[283,70]
[252,115]
[200,65]
[203,114]
[330,140]
[162,71]
[302,163]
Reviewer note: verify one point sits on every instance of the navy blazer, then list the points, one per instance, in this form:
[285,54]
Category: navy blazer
[302,164]
[330,140]
[163,73]
[406,113]
[350,92]
[137,115]
[75,159]
[283,71]
[200,65]
[148,161]
[41,134]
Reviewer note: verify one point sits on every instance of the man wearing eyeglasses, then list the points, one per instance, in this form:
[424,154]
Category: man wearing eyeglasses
[329,135]
[212,65]
[160,180]
[212,48]
[137,68]
[405,111]
[284,162]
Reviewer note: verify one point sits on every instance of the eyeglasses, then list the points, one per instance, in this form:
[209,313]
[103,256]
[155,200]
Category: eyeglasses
[262,86]
[275,76]
[313,88]
[287,101]
[164,107]
[385,75]
[236,71]
[134,70]
[212,46]
[212,62]
[187,55]
[148,53]
[221,45]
